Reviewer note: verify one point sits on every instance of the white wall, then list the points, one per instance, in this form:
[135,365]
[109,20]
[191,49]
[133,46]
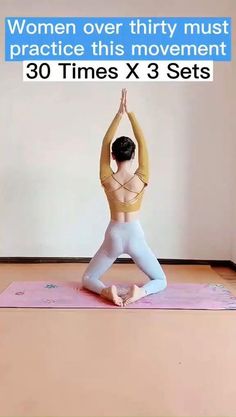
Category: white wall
[233,256]
[51,200]
[234,236]
[233,130]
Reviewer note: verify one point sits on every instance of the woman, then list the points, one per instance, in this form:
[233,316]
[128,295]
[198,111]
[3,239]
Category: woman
[124,233]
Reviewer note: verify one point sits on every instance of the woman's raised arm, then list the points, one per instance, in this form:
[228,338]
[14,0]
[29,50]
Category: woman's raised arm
[105,157]
[143,160]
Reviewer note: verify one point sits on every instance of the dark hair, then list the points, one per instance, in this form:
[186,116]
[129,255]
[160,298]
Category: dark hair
[123,148]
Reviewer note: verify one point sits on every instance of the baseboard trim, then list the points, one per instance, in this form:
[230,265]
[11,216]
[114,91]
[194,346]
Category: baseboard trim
[36,260]
[232,265]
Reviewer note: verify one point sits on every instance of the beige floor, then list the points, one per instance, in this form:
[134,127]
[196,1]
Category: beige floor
[120,362]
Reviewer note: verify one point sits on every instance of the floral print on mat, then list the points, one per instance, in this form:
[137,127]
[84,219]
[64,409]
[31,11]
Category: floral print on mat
[51,286]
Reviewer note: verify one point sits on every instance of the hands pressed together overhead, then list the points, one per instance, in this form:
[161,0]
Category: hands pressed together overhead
[123,102]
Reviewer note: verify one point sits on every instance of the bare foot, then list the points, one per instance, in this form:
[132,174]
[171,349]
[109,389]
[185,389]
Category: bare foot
[111,294]
[134,294]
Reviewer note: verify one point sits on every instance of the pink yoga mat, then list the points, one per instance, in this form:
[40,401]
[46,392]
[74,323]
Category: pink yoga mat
[55,294]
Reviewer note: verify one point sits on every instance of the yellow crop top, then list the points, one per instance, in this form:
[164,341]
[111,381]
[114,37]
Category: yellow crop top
[142,171]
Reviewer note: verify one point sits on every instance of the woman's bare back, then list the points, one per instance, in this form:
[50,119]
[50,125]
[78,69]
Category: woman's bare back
[125,188]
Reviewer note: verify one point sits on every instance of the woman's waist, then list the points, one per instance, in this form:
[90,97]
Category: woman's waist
[121,217]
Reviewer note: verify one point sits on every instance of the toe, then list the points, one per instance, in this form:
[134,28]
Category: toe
[127,296]
[130,300]
[118,301]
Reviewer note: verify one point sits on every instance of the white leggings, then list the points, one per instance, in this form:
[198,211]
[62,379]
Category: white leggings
[129,238]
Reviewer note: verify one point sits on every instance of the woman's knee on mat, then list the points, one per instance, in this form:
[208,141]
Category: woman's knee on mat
[86,279]
[160,276]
